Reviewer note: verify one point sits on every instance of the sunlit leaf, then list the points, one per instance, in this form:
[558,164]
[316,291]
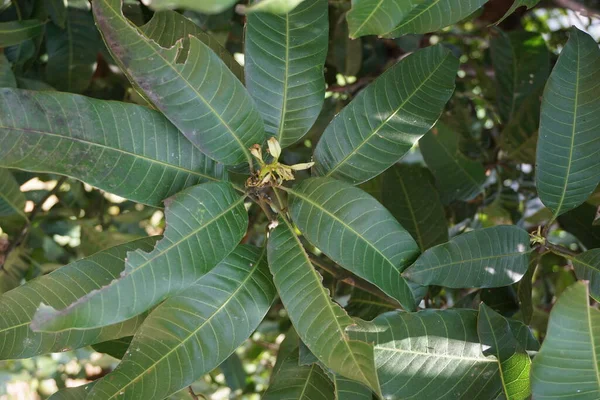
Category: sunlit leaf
[204,6]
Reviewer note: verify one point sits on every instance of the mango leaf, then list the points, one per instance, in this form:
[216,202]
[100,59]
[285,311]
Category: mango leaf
[168,27]
[204,224]
[432,15]
[386,119]
[115,348]
[14,268]
[524,335]
[568,149]
[73,393]
[567,364]
[122,148]
[233,369]
[195,330]
[273,6]
[320,323]
[295,381]
[58,289]
[12,200]
[579,222]
[497,340]
[408,192]
[518,3]
[200,95]
[431,354]
[519,136]
[204,6]
[7,78]
[367,306]
[524,291]
[284,68]
[587,268]
[72,51]
[483,258]
[457,177]
[375,17]
[57,11]
[15,32]
[348,389]
[356,232]
[522,64]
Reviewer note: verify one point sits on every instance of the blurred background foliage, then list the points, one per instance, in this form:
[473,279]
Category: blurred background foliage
[74,220]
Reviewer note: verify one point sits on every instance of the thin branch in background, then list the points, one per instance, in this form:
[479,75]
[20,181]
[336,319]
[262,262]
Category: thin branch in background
[194,395]
[25,231]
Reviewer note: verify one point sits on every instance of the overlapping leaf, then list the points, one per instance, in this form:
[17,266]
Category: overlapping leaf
[194,331]
[355,231]
[579,222]
[497,340]
[524,291]
[348,389]
[384,121]
[57,11]
[587,268]
[73,393]
[200,95]
[375,17]
[284,68]
[490,257]
[15,267]
[204,6]
[457,177]
[167,27]
[15,32]
[7,78]
[320,323]
[72,51]
[568,149]
[124,149]
[204,224]
[58,289]
[568,362]
[519,136]
[431,354]
[522,64]
[12,200]
[519,3]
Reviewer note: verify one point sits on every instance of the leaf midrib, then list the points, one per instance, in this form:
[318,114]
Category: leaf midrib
[406,22]
[592,338]
[412,211]
[435,355]
[358,30]
[474,259]
[285,80]
[393,114]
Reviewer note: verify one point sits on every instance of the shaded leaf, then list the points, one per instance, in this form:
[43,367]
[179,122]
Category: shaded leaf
[348,389]
[57,11]
[233,371]
[7,78]
[522,64]
[12,200]
[115,348]
[587,268]
[356,232]
[323,330]
[122,148]
[567,365]
[524,336]
[579,222]
[518,3]
[204,224]
[58,289]
[524,291]
[519,136]
[195,330]
[73,393]
[14,269]
[442,343]
[201,96]
[284,68]
[568,149]
[366,306]
[490,257]
[384,121]
[497,340]
[15,32]
[457,177]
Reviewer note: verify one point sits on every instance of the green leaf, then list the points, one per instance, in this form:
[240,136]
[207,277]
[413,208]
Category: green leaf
[284,68]
[587,268]
[375,17]
[520,135]
[12,200]
[195,330]
[432,15]
[522,64]
[14,268]
[201,96]
[567,365]
[518,3]
[497,340]
[58,12]
[457,177]
[568,149]
[204,6]
[348,389]
[273,6]
[167,27]
[73,393]
[122,148]
[302,382]
[72,51]
[524,291]
[58,289]
[15,32]
[115,348]
[386,119]
[356,232]
[233,370]
[431,354]
[7,78]
[320,323]
[204,224]
[367,306]
[579,222]
[484,258]
[409,194]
